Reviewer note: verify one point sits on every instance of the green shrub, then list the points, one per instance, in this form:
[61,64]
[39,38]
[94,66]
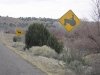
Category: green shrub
[38,35]
[53,43]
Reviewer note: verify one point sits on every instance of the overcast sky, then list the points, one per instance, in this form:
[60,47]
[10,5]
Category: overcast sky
[44,8]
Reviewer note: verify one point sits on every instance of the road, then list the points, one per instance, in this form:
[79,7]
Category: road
[12,64]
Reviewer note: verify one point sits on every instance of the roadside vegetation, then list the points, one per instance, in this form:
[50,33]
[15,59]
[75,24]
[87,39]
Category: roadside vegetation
[38,35]
[55,50]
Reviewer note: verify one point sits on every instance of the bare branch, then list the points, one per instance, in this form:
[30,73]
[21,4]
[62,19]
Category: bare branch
[96,13]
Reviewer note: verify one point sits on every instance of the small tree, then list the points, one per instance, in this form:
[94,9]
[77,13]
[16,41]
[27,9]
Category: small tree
[96,17]
[96,13]
[38,35]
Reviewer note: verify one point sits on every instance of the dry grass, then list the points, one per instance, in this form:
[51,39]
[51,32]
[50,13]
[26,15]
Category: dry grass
[43,51]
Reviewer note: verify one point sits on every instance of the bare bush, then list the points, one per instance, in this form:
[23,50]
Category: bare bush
[75,62]
[43,51]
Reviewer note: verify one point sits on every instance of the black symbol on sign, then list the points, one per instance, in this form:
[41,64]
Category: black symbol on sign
[19,32]
[70,21]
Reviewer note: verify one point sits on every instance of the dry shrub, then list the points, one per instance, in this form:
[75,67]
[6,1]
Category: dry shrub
[75,62]
[43,51]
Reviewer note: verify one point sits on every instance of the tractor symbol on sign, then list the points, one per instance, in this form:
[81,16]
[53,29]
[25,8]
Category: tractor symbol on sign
[19,32]
[70,21]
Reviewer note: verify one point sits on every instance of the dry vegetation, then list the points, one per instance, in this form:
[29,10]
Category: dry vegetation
[81,48]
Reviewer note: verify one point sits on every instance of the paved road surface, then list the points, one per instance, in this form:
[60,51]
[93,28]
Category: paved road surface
[12,64]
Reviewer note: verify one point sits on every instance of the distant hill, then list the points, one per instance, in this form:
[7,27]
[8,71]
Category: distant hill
[9,24]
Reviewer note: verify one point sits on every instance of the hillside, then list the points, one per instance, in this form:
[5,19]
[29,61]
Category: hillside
[79,38]
[9,23]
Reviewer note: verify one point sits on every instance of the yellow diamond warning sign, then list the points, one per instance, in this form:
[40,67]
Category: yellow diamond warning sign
[19,32]
[69,20]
